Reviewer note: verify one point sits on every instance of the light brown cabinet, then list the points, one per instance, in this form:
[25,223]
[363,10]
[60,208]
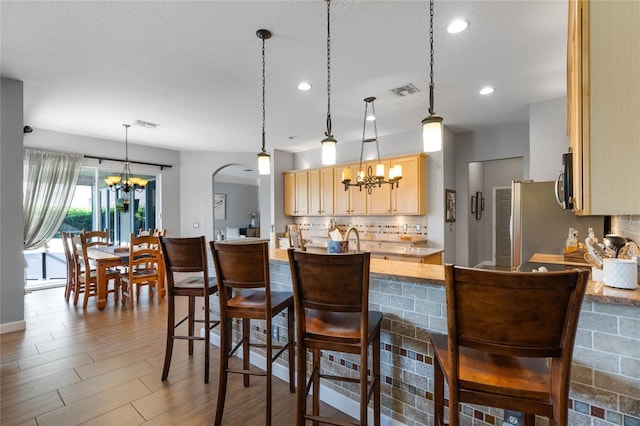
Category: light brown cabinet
[326,194]
[603,101]
[296,193]
[321,192]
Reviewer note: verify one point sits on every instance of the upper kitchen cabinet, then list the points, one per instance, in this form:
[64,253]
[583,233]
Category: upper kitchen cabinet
[321,192]
[410,196]
[603,99]
[296,193]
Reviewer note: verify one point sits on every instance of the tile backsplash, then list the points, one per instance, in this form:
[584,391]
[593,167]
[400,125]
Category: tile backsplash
[627,225]
[372,227]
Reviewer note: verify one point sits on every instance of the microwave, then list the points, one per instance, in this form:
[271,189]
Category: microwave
[564,183]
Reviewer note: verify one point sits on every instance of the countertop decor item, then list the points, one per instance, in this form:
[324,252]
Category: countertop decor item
[126,181]
[370,181]
[264,159]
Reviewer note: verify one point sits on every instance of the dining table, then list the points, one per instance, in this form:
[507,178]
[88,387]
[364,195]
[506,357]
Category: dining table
[111,257]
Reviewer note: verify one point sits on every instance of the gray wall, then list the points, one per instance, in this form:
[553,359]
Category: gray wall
[11,222]
[241,200]
[548,138]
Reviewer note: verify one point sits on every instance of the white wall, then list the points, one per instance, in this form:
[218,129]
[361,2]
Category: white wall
[169,195]
[548,138]
[197,188]
[11,216]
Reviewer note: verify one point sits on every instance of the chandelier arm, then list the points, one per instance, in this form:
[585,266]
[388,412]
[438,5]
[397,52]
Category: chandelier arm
[375,128]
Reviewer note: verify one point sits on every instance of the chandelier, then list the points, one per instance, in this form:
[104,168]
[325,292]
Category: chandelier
[432,125]
[328,143]
[370,181]
[126,181]
[264,160]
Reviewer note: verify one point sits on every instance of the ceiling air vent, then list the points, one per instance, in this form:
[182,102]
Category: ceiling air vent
[407,89]
[147,124]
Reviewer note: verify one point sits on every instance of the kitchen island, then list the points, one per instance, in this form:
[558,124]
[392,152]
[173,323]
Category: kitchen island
[605,387]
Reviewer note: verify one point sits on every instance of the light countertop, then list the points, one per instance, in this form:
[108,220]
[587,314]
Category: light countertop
[434,274]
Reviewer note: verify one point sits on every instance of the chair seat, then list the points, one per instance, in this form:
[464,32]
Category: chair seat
[255,300]
[195,282]
[499,374]
[340,326]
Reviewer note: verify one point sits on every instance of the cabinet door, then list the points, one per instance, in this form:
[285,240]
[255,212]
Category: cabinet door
[357,197]
[326,191]
[379,201]
[289,194]
[340,196]
[315,192]
[302,206]
[605,107]
[409,197]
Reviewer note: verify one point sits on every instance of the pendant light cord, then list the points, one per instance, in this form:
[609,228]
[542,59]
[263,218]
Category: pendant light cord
[263,97]
[126,143]
[431,85]
[328,132]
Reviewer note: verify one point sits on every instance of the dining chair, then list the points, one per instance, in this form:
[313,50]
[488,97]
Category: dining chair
[244,292]
[86,277]
[71,265]
[143,268]
[187,256]
[331,294]
[509,342]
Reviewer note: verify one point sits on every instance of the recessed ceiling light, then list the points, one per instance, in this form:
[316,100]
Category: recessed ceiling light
[304,86]
[457,26]
[487,90]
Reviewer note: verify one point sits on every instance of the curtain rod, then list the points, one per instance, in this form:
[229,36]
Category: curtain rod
[100,159]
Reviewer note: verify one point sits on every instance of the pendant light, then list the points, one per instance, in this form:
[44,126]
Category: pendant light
[264,159]
[126,181]
[370,180]
[432,125]
[328,143]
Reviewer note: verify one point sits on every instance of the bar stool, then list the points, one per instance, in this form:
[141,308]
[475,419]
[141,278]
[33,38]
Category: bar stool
[187,255]
[331,293]
[503,327]
[242,270]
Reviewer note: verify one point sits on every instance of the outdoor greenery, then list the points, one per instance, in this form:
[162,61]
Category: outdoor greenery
[77,219]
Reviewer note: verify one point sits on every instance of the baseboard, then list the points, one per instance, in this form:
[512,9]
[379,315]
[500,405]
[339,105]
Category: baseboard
[327,395]
[10,327]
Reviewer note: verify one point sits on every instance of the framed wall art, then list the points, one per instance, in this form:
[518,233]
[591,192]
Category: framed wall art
[220,206]
[450,205]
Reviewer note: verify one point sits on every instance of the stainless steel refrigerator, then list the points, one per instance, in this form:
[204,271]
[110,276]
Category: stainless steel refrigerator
[540,225]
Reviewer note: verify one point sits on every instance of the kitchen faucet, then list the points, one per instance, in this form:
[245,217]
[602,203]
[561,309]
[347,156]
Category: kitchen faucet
[346,237]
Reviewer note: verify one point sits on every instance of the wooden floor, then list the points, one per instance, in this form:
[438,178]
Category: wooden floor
[95,367]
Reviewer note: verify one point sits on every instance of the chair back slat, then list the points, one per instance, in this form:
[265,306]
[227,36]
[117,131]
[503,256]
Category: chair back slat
[513,313]
[313,272]
[96,238]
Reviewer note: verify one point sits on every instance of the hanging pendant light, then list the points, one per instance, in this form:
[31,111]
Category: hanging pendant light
[370,180]
[432,125]
[264,159]
[328,143]
[126,181]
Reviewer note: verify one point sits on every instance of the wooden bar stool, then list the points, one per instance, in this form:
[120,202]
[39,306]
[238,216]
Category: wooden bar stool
[242,270]
[503,328]
[331,293]
[187,255]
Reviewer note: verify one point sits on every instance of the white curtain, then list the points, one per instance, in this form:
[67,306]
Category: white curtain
[48,183]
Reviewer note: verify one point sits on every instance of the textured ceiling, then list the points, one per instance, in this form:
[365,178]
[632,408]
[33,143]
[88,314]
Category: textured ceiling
[195,67]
